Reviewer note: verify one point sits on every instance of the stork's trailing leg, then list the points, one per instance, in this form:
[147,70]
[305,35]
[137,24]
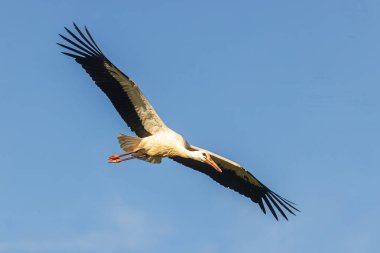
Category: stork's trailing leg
[116,158]
[130,144]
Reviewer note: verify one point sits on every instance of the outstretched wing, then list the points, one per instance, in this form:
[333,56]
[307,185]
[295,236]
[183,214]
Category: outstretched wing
[235,177]
[124,94]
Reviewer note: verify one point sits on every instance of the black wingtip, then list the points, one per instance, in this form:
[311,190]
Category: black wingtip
[262,207]
[89,45]
[72,55]
[92,39]
[270,207]
[73,50]
[75,25]
[277,206]
[284,204]
[284,199]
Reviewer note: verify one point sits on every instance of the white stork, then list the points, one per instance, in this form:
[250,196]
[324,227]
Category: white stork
[154,139]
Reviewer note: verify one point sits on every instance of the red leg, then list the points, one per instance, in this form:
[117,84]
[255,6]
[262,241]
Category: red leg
[117,157]
[118,160]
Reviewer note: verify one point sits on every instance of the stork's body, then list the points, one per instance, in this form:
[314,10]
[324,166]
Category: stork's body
[165,144]
[154,139]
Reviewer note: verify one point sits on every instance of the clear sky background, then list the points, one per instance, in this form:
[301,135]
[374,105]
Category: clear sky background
[289,89]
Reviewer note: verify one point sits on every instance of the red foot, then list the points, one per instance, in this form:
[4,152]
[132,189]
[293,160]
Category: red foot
[114,160]
[114,157]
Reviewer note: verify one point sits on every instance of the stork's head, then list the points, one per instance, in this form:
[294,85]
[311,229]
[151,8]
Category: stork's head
[204,156]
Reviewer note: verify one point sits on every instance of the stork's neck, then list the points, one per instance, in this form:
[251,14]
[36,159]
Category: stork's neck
[191,154]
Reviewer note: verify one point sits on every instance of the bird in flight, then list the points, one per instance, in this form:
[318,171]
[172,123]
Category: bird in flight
[154,139]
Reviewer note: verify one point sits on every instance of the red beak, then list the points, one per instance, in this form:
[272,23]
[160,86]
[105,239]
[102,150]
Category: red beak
[211,162]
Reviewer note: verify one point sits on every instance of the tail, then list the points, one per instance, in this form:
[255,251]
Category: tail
[128,143]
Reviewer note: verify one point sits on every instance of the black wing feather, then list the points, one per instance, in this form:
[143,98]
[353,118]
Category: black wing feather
[81,42]
[93,61]
[243,182]
[93,41]
[85,38]
[270,206]
[277,206]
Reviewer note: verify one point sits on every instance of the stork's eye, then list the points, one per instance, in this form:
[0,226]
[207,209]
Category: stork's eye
[204,154]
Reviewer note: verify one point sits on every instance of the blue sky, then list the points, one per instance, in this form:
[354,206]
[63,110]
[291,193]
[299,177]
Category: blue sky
[289,89]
